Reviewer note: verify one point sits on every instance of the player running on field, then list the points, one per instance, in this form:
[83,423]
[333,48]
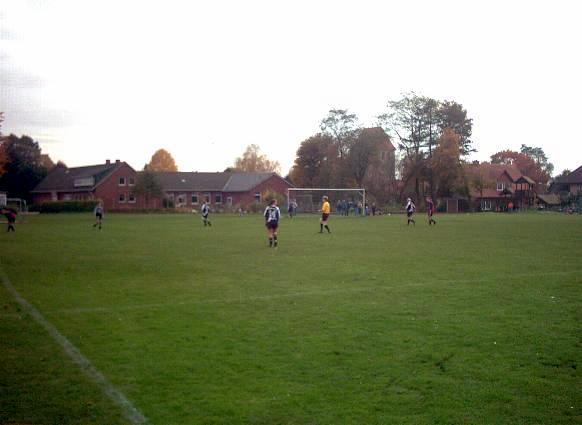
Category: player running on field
[410,208]
[272,216]
[98,211]
[325,211]
[205,210]
[430,210]
[10,215]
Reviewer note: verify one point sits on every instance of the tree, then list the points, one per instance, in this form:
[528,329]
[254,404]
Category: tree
[540,158]
[446,164]
[341,127]
[452,115]
[147,184]
[311,161]
[406,119]
[24,167]
[364,153]
[252,160]
[162,160]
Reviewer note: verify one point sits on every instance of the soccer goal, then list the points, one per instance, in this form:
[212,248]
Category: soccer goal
[342,201]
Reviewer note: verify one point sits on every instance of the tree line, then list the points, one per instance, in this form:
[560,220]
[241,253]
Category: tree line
[433,139]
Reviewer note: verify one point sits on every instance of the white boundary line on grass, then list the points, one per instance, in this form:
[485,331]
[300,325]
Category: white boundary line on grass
[129,410]
[81,310]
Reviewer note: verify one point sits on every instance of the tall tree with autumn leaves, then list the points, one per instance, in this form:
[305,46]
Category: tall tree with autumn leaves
[253,160]
[162,160]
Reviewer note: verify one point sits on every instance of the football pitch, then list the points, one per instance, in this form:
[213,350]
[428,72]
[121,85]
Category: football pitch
[475,320]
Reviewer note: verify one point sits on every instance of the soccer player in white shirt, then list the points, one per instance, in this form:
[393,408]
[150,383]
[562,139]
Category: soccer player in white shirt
[205,210]
[410,207]
[272,216]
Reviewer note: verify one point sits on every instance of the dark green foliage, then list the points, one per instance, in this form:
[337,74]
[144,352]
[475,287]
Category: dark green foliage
[64,206]
[148,185]
[24,167]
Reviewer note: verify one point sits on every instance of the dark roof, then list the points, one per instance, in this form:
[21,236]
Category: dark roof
[73,179]
[176,180]
[212,182]
[524,179]
[574,177]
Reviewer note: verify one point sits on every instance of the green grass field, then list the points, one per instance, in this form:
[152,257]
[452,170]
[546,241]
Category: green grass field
[477,320]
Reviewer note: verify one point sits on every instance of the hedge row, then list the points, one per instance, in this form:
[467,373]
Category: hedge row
[64,206]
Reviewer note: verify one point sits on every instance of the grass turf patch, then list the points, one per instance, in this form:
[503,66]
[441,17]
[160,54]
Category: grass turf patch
[475,320]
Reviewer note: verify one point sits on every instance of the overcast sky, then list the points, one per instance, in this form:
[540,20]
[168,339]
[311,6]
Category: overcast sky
[91,80]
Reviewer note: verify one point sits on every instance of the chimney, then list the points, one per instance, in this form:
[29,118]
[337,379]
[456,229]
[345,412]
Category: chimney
[107,162]
[117,161]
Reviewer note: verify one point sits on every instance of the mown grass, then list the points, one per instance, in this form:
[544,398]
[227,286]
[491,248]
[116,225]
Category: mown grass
[476,320]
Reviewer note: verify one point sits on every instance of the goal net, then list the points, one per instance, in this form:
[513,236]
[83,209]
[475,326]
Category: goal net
[342,201]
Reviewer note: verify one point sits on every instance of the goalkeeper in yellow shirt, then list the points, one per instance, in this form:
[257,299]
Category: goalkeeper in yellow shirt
[325,210]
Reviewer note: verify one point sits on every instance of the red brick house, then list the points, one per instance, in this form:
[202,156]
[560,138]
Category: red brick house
[111,182]
[496,187]
[226,189]
[114,184]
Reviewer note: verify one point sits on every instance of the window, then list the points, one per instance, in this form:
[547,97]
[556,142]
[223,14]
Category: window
[122,181]
[67,197]
[486,204]
[258,197]
[181,199]
[229,201]
[121,198]
[131,181]
[85,181]
[218,198]
[500,186]
[207,197]
[194,199]
[131,199]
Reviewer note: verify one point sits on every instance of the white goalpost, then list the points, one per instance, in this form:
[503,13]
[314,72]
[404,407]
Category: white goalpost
[309,199]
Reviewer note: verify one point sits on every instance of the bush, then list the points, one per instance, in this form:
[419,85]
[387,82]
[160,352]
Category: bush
[64,206]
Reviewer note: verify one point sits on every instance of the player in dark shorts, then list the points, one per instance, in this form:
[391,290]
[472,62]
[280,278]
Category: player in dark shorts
[98,211]
[272,216]
[205,210]
[410,207]
[10,215]
[430,210]
[325,211]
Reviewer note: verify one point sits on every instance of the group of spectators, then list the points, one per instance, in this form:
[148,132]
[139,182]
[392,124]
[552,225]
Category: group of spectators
[345,207]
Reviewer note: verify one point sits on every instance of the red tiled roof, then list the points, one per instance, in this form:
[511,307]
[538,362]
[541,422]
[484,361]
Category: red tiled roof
[492,172]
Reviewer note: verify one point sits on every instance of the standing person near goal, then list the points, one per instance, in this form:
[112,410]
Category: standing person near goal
[272,216]
[10,215]
[98,211]
[430,210]
[205,210]
[325,211]
[410,207]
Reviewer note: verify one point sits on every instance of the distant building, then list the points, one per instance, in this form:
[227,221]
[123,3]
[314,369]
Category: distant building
[226,189]
[114,184]
[496,187]
[571,183]
[111,182]
[386,150]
